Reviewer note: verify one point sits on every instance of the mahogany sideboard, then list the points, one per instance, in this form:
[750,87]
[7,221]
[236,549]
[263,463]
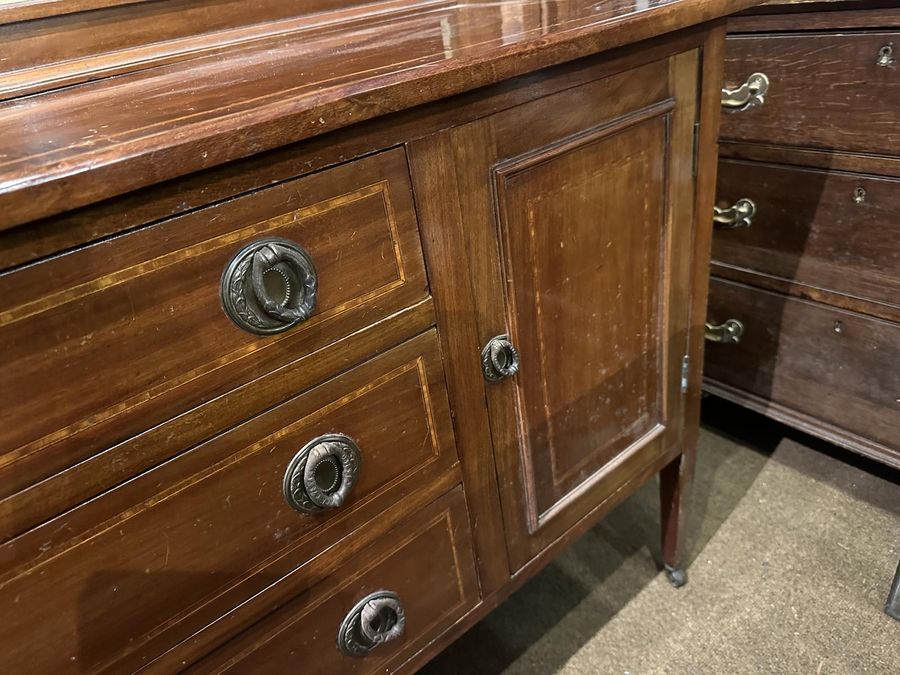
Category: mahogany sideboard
[807,255]
[327,324]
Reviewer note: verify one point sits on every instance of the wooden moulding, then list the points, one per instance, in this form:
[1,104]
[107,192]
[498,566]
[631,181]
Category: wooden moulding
[76,145]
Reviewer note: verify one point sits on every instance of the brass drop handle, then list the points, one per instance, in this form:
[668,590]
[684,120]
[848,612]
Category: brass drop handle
[322,474]
[727,333]
[739,214]
[499,359]
[886,57]
[751,94]
[269,286]
[374,620]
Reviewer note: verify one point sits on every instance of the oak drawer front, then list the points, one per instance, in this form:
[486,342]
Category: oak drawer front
[427,564]
[836,366]
[143,566]
[114,338]
[826,91]
[836,231]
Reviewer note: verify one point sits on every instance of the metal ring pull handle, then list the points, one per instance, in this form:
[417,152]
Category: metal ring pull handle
[269,286]
[739,214]
[499,359]
[751,94]
[321,475]
[727,333]
[374,620]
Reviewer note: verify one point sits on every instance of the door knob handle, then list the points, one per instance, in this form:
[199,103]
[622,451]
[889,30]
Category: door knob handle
[499,359]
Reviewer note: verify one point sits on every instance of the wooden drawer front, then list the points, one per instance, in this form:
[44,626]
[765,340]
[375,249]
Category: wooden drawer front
[427,562]
[835,366]
[143,566]
[826,91]
[109,340]
[814,227]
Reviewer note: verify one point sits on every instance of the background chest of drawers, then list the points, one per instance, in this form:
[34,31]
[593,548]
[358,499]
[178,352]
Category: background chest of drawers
[311,355]
[814,273]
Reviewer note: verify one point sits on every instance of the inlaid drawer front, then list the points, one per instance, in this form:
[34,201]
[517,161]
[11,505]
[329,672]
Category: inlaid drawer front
[374,612]
[836,231]
[143,566]
[112,339]
[835,366]
[837,91]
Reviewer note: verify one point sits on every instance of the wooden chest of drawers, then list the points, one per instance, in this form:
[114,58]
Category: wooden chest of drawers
[814,273]
[325,330]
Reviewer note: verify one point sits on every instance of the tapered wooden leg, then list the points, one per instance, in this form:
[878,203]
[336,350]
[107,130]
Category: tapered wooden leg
[892,606]
[674,486]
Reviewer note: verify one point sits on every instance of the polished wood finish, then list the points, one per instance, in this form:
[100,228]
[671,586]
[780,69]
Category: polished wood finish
[813,228]
[816,273]
[611,391]
[675,485]
[143,515]
[43,500]
[836,369]
[121,312]
[426,561]
[211,528]
[820,159]
[248,96]
[804,107]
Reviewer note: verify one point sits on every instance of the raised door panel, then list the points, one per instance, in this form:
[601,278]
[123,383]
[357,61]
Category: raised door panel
[578,210]
[582,261]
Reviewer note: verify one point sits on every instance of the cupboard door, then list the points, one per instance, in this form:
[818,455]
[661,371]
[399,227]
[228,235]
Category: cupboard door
[577,210]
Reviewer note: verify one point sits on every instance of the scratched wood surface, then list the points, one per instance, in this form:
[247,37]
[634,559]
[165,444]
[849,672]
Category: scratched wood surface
[173,549]
[118,337]
[160,118]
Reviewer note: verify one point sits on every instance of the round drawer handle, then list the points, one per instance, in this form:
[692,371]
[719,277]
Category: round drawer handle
[321,475]
[751,94]
[499,359]
[376,619]
[269,286]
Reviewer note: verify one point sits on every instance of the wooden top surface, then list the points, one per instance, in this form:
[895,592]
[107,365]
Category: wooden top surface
[265,85]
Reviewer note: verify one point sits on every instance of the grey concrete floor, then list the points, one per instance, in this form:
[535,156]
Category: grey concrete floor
[794,544]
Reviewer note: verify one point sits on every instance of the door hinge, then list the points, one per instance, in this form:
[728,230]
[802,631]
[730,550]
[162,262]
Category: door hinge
[685,372]
[696,148]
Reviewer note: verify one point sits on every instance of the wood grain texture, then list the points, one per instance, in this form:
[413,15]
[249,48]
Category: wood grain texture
[840,15]
[448,239]
[629,485]
[613,107]
[78,45]
[816,273]
[792,348]
[173,119]
[444,243]
[810,229]
[675,480]
[204,188]
[826,91]
[426,561]
[121,312]
[858,162]
[211,528]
